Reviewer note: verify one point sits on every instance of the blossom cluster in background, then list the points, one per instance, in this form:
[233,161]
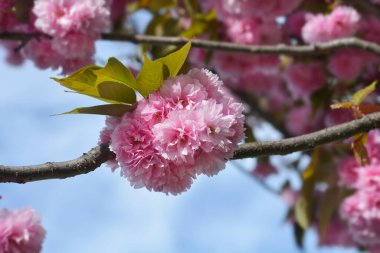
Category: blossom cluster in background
[286,85]
[20,231]
[190,126]
[66,31]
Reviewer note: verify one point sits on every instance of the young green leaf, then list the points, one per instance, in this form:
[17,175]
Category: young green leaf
[175,60]
[361,94]
[150,77]
[304,205]
[117,92]
[115,71]
[80,80]
[109,109]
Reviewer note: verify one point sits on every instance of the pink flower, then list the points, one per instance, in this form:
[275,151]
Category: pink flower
[182,92]
[338,116]
[42,54]
[105,137]
[13,55]
[373,146]
[246,8]
[293,25]
[252,31]
[303,79]
[301,120]
[261,83]
[70,65]
[369,178]
[20,231]
[59,17]
[264,170]
[342,22]
[347,64]
[197,57]
[336,235]
[177,137]
[142,164]
[74,46]
[190,126]
[370,29]
[218,128]
[348,170]
[362,214]
[233,67]
[269,9]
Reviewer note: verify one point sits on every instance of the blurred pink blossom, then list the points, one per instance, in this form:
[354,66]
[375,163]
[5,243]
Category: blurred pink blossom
[303,79]
[342,22]
[264,170]
[20,231]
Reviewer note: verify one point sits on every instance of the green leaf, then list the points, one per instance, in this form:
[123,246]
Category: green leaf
[150,77]
[299,234]
[328,205]
[80,80]
[115,71]
[175,60]
[109,109]
[304,205]
[113,83]
[116,92]
[361,94]
[303,208]
[200,24]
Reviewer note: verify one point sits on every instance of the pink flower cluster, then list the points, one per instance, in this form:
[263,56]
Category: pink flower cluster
[257,8]
[336,234]
[20,231]
[190,126]
[74,26]
[342,22]
[264,170]
[362,209]
[303,79]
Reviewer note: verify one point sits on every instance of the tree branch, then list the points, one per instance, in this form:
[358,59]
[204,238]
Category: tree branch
[309,141]
[305,50]
[57,170]
[95,157]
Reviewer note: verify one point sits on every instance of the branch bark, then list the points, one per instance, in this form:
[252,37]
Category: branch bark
[100,154]
[57,170]
[304,50]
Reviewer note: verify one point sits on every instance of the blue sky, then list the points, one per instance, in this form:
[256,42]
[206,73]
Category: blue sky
[99,212]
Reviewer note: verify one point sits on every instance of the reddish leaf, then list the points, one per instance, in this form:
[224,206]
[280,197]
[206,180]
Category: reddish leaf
[360,151]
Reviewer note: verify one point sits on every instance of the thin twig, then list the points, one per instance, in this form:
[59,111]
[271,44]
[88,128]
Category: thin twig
[259,111]
[259,181]
[304,50]
[94,158]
